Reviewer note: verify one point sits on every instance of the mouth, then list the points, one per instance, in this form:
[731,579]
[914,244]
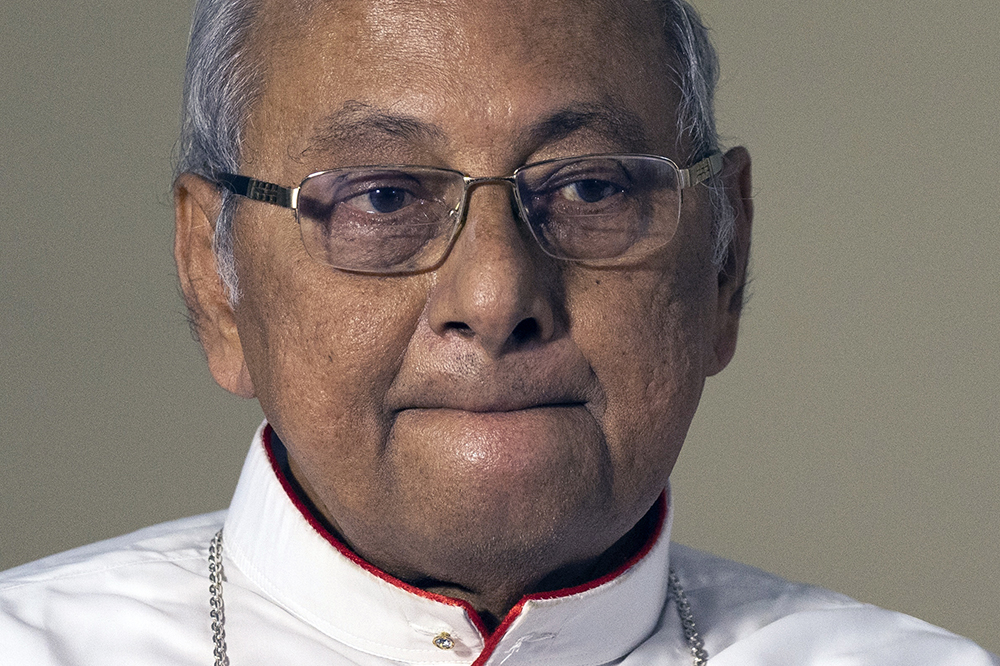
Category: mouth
[493,406]
[559,379]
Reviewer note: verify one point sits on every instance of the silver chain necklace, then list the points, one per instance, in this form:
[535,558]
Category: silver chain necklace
[218,613]
[216,575]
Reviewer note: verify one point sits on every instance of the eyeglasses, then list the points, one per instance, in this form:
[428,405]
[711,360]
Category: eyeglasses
[598,209]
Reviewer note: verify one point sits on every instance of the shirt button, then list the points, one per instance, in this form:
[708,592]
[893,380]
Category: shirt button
[444,641]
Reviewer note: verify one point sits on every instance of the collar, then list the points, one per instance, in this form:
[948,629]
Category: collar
[273,538]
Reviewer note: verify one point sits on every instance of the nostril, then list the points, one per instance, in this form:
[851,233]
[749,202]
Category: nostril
[526,330]
[459,327]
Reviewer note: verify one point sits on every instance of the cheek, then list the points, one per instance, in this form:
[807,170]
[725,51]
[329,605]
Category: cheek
[322,348]
[646,339]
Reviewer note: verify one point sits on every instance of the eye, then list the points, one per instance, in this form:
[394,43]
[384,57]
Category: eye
[383,200]
[589,191]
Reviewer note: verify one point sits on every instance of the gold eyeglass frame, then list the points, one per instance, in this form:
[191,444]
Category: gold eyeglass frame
[287,197]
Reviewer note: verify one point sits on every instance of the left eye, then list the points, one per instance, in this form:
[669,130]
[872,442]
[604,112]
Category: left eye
[589,191]
[381,200]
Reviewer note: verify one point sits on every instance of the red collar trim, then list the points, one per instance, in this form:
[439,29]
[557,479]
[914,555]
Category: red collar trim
[492,639]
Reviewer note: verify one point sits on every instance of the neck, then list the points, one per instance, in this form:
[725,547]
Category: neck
[494,590]
[494,600]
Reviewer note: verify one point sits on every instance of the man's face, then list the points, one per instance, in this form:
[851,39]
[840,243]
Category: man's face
[507,409]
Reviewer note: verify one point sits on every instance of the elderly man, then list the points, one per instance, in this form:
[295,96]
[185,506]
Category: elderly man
[475,260]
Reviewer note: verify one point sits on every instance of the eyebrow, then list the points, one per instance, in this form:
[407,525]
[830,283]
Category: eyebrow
[608,120]
[357,122]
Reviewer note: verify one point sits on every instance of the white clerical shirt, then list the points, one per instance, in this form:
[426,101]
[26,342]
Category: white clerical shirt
[295,595]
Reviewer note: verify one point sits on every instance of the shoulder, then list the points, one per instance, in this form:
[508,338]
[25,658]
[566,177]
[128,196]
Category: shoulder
[107,593]
[749,616]
[716,581]
[171,543]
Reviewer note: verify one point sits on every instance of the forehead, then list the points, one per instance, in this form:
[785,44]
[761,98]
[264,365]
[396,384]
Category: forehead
[469,74]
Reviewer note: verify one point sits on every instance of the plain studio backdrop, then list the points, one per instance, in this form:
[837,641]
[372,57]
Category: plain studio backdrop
[853,443]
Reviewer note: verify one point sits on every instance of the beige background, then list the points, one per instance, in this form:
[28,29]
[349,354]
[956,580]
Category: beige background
[853,443]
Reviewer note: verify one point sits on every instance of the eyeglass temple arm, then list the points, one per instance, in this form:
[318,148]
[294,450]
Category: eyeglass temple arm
[703,170]
[258,190]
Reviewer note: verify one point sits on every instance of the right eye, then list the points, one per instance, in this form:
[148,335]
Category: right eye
[589,190]
[383,200]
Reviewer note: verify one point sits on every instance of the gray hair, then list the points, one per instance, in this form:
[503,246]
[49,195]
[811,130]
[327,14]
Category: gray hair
[697,71]
[222,82]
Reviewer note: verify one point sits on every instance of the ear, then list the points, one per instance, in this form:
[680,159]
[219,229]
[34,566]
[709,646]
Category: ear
[196,207]
[733,272]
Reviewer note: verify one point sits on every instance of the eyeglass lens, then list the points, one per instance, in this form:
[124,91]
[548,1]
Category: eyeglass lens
[403,219]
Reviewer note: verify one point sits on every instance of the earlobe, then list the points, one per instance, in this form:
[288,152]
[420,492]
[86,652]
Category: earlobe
[196,207]
[733,272]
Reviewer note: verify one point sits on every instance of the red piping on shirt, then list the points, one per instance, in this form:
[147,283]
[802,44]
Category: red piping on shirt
[492,639]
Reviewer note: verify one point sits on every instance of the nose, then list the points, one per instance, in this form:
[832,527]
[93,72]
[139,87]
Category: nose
[496,288]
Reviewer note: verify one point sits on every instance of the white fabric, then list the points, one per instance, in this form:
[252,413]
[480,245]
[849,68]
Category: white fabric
[293,598]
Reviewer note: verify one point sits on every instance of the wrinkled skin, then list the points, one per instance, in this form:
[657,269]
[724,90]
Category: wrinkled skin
[492,427]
